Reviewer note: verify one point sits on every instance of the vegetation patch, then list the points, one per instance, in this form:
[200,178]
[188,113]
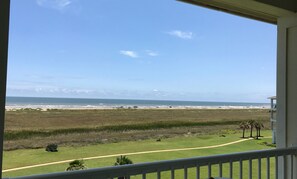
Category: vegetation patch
[28,128]
[26,134]
[267,144]
[51,148]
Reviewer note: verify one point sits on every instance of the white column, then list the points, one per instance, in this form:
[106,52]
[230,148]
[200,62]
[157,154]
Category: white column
[287,88]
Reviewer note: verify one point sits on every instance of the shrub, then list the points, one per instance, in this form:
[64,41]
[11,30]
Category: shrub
[52,148]
[76,165]
[267,144]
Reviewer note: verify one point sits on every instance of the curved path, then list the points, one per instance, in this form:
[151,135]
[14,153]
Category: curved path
[133,153]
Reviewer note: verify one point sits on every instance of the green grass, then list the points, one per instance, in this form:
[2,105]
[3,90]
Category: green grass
[19,158]
[134,130]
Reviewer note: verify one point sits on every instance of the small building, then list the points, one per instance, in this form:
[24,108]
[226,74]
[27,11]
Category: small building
[273,117]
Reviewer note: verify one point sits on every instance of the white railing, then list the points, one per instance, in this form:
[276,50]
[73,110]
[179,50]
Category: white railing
[236,165]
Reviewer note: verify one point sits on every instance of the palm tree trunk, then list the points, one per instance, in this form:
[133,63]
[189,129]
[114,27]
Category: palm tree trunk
[258,132]
[251,134]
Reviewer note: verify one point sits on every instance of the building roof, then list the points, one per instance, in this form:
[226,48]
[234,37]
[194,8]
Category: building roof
[272,97]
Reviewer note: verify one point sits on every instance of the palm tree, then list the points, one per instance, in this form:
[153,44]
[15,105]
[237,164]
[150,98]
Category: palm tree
[123,160]
[252,125]
[256,125]
[259,125]
[76,165]
[244,125]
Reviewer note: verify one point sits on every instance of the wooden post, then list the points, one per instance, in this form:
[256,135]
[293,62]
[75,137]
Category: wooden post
[4,30]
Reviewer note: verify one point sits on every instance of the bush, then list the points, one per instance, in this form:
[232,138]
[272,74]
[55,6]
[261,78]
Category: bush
[76,165]
[52,148]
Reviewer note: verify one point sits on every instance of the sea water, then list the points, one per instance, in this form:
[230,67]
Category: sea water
[82,103]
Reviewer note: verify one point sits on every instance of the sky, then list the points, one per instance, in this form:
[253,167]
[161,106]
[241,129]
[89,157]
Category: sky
[148,49]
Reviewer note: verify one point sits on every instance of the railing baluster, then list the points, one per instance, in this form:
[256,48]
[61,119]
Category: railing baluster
[185,173]
[240,169]
[259,168]
[276,167]
[292,165]
[231,169]
[209,170]
[159,175]
[198,172]
[221,169]
[284,162]
[286,156]
[268,167]
[250,168]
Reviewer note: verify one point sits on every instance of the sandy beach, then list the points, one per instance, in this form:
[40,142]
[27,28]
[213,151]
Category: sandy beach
[79,107]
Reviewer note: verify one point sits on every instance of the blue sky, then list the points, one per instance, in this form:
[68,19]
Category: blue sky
[148,49]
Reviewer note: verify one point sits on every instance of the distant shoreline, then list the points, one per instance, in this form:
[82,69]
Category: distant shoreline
[89,107]
[15,103]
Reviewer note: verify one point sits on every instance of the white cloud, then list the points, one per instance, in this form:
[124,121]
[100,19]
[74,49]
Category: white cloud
[54,4]
[129,53]
[151,53]
[47,89]
[181,34]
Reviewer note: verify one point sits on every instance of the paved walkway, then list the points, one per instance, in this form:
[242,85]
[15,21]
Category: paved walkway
[127,154]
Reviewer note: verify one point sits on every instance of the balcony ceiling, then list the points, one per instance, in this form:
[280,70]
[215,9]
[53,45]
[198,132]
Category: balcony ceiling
[263,10]
[290,5]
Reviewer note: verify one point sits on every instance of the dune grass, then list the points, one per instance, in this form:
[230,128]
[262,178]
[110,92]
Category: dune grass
[84,127]
[65,119]
[26,134]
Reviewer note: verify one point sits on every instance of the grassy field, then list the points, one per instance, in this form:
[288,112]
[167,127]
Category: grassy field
[19,158]
[85,127]
[61,119]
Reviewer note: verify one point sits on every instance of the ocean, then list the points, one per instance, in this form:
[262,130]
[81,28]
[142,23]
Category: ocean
[83,103]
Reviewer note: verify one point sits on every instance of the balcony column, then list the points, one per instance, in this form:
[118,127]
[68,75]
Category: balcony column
[287,90]
[4,22]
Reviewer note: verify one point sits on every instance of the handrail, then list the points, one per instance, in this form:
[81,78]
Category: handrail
[166,165]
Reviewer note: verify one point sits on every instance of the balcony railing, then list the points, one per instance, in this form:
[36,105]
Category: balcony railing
[236,165]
